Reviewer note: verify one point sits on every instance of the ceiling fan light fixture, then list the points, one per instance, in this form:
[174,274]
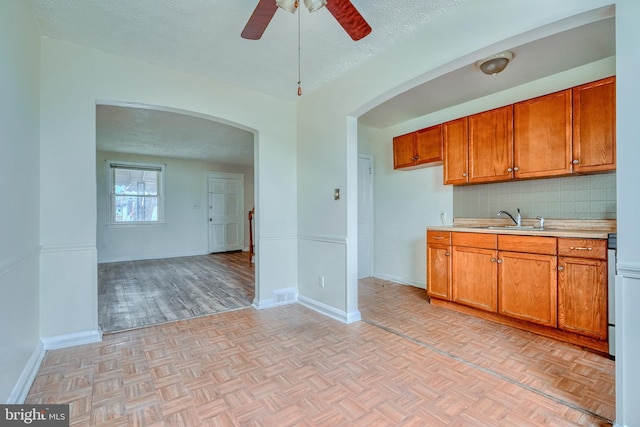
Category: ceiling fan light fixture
[313,5]
[495,63]
[289,5]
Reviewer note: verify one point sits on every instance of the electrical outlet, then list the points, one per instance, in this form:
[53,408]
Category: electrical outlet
[321,281]
[443,217]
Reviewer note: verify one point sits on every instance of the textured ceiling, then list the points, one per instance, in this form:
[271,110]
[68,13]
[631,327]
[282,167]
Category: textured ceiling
[203,37]
[140,130]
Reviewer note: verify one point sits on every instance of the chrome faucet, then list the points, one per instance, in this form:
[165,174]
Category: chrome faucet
[517,220]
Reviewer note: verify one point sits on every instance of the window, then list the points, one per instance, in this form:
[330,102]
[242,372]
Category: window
[136,193]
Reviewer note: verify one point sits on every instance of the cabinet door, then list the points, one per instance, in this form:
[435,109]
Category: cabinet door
[404,151]
[438,271]
[527,287]
[455,140]
[474,277]
[594,121]
[582,296]
[542,136]
[429,145]
[491,145]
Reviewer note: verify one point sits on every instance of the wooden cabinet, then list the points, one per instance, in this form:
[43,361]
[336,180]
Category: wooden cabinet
[474,279]
[418,148]
[527,280]
[552,286]
[594,121]
[582,287]
[491,145]
[542,136]
[570,131]
[439,264]
[455,141]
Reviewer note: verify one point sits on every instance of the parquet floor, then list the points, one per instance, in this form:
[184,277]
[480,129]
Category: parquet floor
[407,364]
[132,294]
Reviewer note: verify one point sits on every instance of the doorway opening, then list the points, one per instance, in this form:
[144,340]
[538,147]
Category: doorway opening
[168,270]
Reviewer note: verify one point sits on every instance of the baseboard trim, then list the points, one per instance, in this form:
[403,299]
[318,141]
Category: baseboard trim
[27,377]
[71,340]
[279,297]
[156,256]
[327,310]
[400,280]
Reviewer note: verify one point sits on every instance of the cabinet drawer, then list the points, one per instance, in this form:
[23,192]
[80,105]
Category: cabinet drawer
[474,240]
[438,237]
[529,244]
[583,248]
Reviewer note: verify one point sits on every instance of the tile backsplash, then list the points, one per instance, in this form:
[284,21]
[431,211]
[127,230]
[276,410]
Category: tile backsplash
[572,197]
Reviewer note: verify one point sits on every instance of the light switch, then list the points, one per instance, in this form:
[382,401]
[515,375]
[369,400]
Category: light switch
[336,194]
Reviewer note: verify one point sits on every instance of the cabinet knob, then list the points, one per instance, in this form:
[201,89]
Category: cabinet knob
[447,253]
[510,170]
[464,174]
[499,261]
[515,168]
[560,268]
[493,260]
[576,161]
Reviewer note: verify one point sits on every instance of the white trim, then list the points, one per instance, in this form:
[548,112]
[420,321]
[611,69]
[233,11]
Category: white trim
[70,340]
[9,264]
[279,297]
[266,237]
[25,381]
[629,270]
[323,238]
[401,280]
[327,310]
[67,248]
[155,256]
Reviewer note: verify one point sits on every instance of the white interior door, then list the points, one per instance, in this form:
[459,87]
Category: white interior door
[226,212]
[365,216]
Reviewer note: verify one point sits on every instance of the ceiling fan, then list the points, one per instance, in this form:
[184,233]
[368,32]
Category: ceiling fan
[345,13]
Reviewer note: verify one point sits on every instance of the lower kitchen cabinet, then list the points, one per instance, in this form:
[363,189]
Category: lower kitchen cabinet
[527,288]
[474,271]
[438,277]
[582,296]
[439,264]
[556,287]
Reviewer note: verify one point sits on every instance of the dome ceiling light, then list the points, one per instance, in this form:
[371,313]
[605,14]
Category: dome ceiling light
[495,63]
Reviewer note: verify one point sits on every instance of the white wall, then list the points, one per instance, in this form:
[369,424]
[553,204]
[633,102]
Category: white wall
[74,79]
[628,153]
[328,143]
[185,229]
[19,208]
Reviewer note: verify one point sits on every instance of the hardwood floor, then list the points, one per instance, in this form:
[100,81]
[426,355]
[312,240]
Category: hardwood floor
[140,293]
[407,364]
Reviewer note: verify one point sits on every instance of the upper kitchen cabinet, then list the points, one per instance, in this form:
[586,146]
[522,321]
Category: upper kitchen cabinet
[455,141]
[542,136]
[491,145]
[594,133]
[418,148]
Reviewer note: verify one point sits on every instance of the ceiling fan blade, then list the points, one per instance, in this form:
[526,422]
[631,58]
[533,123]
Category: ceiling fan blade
[349,18]
[259,19]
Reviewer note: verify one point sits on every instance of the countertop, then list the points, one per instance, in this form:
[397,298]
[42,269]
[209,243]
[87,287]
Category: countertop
[584,229]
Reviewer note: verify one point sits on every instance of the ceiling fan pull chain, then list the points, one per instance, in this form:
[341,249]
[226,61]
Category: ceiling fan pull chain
[299,79]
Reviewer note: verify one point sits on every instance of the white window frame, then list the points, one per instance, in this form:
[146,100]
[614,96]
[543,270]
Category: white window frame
[112,165]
